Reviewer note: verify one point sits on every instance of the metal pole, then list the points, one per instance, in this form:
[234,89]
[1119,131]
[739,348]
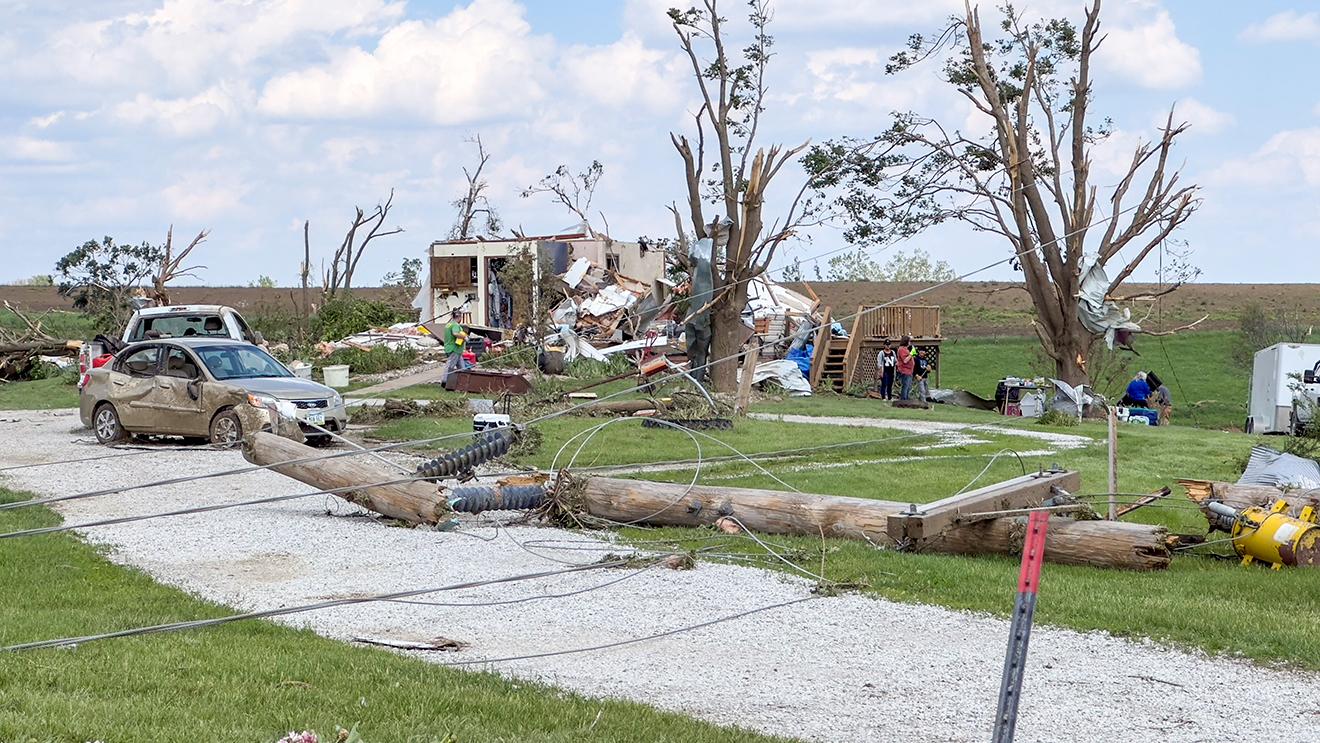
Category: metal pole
[1113,464]
[1024,608]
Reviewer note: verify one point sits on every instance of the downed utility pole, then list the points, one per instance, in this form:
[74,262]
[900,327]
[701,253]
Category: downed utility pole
[1116,544]
[1019,633]
[417,502]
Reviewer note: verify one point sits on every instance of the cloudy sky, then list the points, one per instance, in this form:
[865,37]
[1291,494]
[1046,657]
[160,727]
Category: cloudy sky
[120,117]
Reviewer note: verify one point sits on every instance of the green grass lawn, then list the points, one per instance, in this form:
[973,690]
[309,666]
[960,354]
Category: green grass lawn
[40,394]
[250,681]
[1209,388]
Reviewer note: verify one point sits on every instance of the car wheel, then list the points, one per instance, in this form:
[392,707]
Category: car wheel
[106,425]
[319,441]
[225,429]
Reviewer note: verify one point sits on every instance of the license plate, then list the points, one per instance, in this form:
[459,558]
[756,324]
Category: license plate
[316,418]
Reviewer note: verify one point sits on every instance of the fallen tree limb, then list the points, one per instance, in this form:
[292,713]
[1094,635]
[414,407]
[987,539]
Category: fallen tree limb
[1097,543]
[414,502]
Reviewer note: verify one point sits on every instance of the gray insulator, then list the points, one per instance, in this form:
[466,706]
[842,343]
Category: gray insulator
[489,445]
[478,498]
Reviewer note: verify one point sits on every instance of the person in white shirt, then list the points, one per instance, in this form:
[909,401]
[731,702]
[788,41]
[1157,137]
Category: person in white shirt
[885,362]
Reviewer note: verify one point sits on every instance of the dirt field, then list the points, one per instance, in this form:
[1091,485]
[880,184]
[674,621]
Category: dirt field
[1003,308]
[42,298]
[970,309]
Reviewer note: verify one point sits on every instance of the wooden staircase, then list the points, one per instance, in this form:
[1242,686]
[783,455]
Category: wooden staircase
[834,364]
[829,363]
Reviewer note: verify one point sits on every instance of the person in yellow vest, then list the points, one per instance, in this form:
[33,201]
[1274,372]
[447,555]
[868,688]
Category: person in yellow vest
[455,337]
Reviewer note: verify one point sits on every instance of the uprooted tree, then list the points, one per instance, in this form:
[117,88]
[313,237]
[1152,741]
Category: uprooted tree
[1026,177]
[734,180]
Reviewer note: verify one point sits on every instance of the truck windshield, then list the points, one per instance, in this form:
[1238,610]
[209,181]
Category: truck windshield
[179,326]
[240,362]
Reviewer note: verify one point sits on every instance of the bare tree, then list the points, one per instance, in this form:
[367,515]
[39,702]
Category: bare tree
[344,262]
[473,206]
[574,192]
[1026,177]
[733,100]
[171,266]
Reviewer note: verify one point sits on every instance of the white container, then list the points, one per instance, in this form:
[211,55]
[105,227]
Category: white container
[336,376]
[302,371]
[1272,384]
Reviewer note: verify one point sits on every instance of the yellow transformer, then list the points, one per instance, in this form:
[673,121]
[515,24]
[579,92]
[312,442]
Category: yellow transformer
[1271,535]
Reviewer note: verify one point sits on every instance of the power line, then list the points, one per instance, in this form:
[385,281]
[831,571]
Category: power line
[635,640]
[333,603]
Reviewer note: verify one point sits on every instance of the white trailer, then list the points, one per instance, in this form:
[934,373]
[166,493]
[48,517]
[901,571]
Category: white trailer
[1276,374]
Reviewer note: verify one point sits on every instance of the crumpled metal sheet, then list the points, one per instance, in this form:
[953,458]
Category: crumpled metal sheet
[1102,316]
[961,398]
[785,373]
[1268,466]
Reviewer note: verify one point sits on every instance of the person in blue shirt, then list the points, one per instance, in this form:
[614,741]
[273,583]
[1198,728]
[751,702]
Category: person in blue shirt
[1138,392]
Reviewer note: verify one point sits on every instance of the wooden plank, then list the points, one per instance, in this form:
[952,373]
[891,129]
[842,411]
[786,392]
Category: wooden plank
[919,523]
[1146,501]
[821,348]
[744,398]
[1113,463]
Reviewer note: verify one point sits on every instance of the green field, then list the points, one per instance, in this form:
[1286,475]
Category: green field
[252,681]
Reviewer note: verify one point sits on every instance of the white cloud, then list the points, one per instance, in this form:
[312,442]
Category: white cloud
[627,74]
[1202,118]
[35,150]
[1287,159]
[1151,54]
[184,44]
[1289,25]
[185,117]
[341,152]
[478,63]
[204,195]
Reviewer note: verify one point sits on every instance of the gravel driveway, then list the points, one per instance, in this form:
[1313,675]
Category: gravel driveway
[846,668]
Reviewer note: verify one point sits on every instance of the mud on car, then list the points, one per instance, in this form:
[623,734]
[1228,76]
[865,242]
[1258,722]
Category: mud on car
[199,388]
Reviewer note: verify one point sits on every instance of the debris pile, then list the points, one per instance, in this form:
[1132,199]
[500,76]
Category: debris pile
[23,351]
[605,312]
[400,335]
[605,307]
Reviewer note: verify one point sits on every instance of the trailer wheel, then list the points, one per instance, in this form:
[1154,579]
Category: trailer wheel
[1250,425]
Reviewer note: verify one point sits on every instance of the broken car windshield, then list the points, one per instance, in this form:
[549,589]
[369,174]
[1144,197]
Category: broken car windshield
[240,362]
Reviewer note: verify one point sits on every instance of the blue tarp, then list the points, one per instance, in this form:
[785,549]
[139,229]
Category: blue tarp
[801,357]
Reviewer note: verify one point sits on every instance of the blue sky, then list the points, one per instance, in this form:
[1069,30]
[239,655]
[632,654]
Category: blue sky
[121,117]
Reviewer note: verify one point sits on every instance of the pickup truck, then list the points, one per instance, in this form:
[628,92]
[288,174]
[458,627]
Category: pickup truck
[181,321]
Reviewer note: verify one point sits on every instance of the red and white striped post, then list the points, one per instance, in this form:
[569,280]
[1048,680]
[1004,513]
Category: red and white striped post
[1010,688]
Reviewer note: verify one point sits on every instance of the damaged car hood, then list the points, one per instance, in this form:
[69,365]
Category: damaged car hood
[284,388]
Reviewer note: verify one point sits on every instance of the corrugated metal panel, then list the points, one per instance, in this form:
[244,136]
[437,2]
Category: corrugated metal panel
[1270,467]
